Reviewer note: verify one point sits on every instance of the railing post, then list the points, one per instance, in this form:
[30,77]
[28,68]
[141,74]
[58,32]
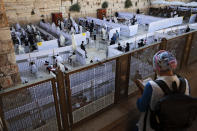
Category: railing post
[56,105]
[69,99]
[2,121]
[186,52]
[2,116]
[122,77]
[63,102]
[163,44]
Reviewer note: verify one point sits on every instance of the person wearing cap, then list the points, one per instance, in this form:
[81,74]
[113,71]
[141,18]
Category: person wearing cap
[164,64]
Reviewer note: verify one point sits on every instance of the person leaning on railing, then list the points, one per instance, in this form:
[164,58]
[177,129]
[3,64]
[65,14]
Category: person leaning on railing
[164,63]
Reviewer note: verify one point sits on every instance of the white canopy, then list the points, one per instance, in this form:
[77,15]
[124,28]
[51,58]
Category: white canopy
[177,3]
[160,2]
[193,4]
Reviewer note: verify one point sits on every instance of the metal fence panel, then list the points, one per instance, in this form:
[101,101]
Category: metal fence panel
[92,90]
[176,47]
[30,108]
[193,51]
[141,65]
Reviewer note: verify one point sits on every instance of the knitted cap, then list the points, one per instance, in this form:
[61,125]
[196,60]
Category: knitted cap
[164,61]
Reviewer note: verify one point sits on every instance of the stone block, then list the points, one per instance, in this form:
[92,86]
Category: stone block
[9,69]
[6,82]
[11,58]
[6,46]
[5,33]
[16,78]
[3,60]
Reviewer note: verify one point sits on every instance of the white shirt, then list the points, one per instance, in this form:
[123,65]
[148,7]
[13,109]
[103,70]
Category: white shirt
[34,69]
[59,59]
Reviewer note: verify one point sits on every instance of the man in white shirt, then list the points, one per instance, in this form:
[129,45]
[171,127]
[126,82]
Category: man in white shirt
[34,69]
[58,59]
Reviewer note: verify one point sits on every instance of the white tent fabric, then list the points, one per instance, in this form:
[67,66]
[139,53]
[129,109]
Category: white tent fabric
[74,42]
[160,2]
[174,3]
[192,4]
[177,3]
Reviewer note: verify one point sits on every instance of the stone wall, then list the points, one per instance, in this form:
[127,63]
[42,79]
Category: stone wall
[20,10]
[8,69]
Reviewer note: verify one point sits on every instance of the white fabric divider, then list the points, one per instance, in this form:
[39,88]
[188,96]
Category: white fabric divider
[129,31]
[193,26]
[112,31]
[113,52]
[154,26]
[75,25]
[43,53]
[81,37]
[141,19]
[52,28]
[182,27]
[124,29]
[192,18]
[80,56]
[47,45]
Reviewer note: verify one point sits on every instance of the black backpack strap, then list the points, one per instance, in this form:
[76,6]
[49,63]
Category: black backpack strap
[182,86]
[163,86]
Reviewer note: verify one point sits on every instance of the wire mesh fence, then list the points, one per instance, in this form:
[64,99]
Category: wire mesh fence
[176,47]
[193,51]
[92,90]
[141,65]
[30,108]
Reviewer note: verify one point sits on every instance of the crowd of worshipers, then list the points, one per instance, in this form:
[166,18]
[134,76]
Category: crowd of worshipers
[25,38]
[170,12]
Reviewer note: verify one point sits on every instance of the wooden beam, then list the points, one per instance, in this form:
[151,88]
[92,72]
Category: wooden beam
[186,53]
[63,102]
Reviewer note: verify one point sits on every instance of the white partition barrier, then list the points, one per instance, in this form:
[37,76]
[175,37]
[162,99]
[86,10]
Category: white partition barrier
[158,25]
[129,31]
[54,30]
[47,45]
[112,31]
[124,29]
[193,26]
[192,18]
[50,52]
[113,52]
[75,25]
[141,19]
[80,56]
[81,37]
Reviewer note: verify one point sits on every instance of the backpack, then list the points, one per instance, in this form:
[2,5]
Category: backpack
[175,111]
